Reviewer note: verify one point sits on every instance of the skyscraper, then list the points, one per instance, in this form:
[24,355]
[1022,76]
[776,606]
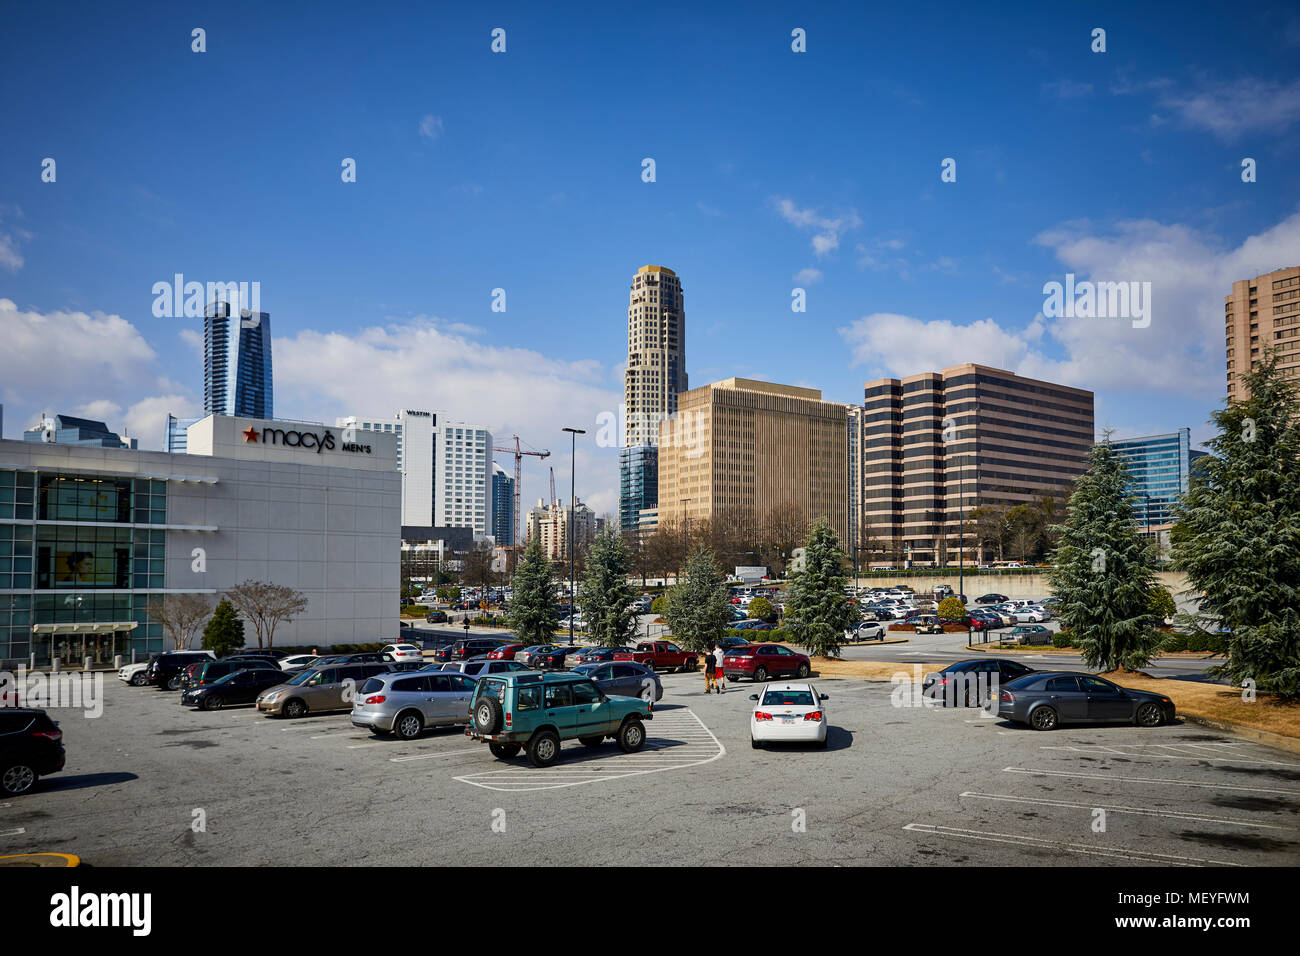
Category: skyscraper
[655,376]
[416,434]
[1159,468]
[938,445]
[1263,312]
[237,363]
[503,506]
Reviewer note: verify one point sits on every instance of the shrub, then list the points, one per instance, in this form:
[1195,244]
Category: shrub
[951,609]
[1061,639]
[761,608]
[659,605]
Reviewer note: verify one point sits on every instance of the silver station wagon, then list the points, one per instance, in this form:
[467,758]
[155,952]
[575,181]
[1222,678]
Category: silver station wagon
[406,702]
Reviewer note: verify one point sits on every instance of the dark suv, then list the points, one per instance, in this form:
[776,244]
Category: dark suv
[31,746]
[202,673]
[467,648]
[165,671]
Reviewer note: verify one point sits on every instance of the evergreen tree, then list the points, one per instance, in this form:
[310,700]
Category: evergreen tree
[697,610]
[224,633]
[605,595]
[1237,535]
[1104,571]
[531,613]
[817,611]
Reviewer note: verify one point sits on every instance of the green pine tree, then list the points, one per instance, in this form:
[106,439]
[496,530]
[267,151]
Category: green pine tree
[1104,571]
[531,611]
[817,611]
[697,610]
[1237,535]
[604,593]
[224,632]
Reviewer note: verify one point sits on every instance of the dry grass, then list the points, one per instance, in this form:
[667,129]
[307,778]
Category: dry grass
[1209,701]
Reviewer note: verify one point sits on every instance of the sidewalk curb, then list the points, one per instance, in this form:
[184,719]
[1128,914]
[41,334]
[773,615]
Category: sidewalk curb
[1266,737]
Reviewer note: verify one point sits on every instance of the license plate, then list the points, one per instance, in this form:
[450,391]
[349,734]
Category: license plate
[787,720]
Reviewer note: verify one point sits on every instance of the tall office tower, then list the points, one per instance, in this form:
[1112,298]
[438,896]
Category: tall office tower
[737,451]
[463,483]
[503,506]
[655,376]
[1159,468]
[853,460]
[237,363]
[938,445]
[174,440]
[549,524]
[417,446]
[1260,313]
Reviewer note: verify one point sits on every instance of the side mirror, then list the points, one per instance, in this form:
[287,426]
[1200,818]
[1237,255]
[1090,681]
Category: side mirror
[753,697]
[824,697]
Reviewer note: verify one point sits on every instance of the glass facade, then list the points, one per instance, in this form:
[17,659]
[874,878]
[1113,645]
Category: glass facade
[1159,467]
[638,484]
[79,549]
[237,371]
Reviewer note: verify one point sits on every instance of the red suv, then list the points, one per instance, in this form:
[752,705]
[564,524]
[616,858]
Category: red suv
[761,661]
[506,652]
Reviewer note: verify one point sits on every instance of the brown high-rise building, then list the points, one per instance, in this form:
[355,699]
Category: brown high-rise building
[741,449]
[1260,313]
[940,444]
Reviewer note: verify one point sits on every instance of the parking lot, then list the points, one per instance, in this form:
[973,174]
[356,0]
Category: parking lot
[896,786]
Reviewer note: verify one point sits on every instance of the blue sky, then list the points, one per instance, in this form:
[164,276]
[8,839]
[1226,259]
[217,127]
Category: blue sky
[522,171]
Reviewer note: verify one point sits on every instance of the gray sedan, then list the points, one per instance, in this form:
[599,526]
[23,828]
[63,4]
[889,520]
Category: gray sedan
[624,679]
[1048,699]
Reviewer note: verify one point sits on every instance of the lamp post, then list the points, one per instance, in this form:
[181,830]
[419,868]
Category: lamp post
[573,519]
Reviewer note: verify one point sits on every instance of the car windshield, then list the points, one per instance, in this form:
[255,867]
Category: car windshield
[304,677]
[225,679]
[791,698]
[745,650]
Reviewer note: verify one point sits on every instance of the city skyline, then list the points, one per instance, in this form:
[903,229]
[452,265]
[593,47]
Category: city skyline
[788,188]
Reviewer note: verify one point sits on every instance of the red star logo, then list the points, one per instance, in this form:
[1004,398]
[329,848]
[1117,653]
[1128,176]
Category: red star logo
[250,434]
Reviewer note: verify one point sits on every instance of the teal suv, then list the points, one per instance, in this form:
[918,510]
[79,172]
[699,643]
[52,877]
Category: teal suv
[534,712]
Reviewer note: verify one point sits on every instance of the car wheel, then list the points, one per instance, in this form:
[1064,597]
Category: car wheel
[294,708]
[1148,715]
[139,679]
[503,751]
[409,725]
[631,736]
[17,778]
[591,741]
[694,665]
[174,682]
[755,744]
[803,670]
[213,702]
[487,715]
[1043,718]
[544,748]
[824,743]
[760,674]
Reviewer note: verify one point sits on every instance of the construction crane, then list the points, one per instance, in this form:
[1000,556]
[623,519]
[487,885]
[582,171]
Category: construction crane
[519,481]
[554,500]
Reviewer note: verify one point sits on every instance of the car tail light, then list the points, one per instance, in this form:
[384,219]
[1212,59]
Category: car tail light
[759,715]
[377,699]
[48,734]
[815,715]
[1007,696]
[509,718]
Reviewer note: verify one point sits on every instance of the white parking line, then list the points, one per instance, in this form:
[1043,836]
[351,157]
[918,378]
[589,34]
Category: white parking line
[449,753]
[14,832]
[1173,756]
[1137,856]
[662,756]
[1113,808]
[1176,783]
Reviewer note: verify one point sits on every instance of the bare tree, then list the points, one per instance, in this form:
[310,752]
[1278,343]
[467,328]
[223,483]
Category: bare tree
[784,528]
[182,616]
[265,605]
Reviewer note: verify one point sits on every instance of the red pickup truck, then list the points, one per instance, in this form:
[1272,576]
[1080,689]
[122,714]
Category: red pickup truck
[661,655]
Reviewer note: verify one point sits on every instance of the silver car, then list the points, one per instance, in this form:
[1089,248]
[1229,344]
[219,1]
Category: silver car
[406,702]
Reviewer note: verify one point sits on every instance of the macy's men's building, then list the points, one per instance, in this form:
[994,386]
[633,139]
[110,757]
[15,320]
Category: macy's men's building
[88,535]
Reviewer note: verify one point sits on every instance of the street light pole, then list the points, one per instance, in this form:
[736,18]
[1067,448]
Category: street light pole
[573,519]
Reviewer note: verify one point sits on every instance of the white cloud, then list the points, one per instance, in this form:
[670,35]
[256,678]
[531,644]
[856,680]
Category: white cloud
[808,276]
[192,338]
[900,345]
[63,351]
[1232,109]
[10,237]
[101,410]
[826,231]
[1066,89]
[430,126]
[146,419]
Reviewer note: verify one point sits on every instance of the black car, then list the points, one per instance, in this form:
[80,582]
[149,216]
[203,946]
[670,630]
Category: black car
[727,643]
[31,747]
[624,679]
[468,647]
[201,673]
[436,617]
[991,599]
[552,658]
[240,687]
[368,657]
[165,670]
[968,683]
[1048,699]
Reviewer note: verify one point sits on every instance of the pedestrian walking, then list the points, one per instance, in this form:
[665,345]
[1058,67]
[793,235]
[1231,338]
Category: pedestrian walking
[721,677]
[710,668]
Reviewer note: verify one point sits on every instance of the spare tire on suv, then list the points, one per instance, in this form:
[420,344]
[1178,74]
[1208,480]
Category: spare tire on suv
[487,715]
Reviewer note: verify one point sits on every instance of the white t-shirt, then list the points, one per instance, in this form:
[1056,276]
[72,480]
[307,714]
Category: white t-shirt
[717,656]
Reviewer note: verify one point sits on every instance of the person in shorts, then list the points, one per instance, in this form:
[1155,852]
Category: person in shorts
[710,667]
[717,655]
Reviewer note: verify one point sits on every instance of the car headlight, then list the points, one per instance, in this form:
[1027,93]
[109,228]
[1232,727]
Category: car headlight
[270,697]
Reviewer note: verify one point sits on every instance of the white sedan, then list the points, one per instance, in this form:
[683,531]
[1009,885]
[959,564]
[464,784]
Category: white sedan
[401,653]
[866,631]
[788,713]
